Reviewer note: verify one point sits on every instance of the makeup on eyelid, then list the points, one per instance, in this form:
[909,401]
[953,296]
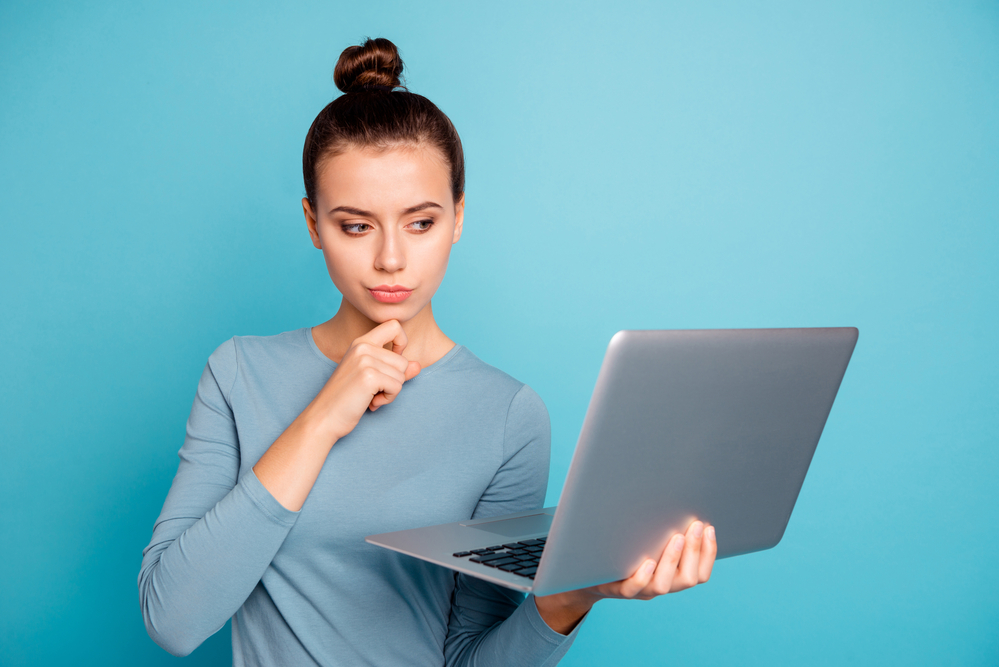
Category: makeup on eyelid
[349,228]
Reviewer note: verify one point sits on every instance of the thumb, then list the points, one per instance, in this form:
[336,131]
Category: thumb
[412,370]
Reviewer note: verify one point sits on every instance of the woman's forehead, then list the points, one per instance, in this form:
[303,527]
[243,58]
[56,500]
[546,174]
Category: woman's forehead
[396,174]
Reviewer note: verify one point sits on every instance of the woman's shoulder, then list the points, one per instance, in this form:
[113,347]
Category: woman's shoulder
[483,380]
[519,411]
[462,363]
[278,351]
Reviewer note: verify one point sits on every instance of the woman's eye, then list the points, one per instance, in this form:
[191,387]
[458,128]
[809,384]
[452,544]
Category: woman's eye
[355,227]
[421,225]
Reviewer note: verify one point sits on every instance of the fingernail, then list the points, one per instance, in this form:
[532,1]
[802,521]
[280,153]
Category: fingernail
[678,543]
[711,532]
[698,529]
[649,566]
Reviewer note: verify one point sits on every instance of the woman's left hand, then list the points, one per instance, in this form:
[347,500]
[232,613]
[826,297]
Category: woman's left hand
[686,561]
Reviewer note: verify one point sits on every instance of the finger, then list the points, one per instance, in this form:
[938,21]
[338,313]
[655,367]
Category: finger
[407,369]
[381,366]
[381,387]
[634,584]
[709,549]
[393,357]
[383,397]
[387,332]
[686,571]
[662,581]
[364,351]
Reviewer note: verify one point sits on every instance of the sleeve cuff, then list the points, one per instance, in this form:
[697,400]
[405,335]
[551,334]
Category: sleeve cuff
[542,628]
[265,502]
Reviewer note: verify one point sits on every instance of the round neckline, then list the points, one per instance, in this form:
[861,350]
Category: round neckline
[424,371]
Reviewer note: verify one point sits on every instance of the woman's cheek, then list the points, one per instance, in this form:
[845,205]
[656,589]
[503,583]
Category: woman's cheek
[340,273]
[441,255]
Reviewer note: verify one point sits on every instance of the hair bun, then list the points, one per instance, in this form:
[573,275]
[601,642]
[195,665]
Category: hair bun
[371,66]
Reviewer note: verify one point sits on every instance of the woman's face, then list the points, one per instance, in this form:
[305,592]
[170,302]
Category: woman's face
[385,221]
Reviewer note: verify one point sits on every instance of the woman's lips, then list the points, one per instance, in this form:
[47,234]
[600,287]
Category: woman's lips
[390,293]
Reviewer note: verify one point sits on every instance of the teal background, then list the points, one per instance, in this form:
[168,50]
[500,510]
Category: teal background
[630,165]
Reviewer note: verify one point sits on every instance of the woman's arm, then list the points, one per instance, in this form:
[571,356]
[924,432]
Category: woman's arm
[492,625]
[216,534]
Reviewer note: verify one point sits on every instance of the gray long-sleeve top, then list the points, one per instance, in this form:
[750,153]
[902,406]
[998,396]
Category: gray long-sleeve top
[462,440]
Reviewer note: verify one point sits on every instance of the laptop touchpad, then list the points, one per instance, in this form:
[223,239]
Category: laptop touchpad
[522,525]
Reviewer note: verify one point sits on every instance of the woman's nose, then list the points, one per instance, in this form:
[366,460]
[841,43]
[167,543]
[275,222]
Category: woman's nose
[390,256]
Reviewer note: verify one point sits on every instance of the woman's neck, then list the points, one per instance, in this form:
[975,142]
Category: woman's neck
[426,342]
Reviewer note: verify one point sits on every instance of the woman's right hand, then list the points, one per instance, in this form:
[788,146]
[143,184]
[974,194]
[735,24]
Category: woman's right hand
[368,377]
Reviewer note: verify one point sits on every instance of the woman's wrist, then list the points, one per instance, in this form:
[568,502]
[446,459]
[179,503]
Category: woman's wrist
[563,611]
[321,420]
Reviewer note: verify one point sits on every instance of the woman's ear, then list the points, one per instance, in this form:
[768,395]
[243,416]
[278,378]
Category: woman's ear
[459,218]
[310,222]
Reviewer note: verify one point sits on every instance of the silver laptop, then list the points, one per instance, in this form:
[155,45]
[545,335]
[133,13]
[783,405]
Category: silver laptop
[718,425]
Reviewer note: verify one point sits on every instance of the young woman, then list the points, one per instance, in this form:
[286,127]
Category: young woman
[299,445]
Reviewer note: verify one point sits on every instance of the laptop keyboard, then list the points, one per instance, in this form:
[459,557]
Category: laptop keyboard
[517,557]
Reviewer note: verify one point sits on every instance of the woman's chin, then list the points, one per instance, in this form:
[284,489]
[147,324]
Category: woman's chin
[383,312]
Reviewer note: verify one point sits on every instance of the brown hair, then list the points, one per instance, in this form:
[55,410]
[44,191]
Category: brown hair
[373,112]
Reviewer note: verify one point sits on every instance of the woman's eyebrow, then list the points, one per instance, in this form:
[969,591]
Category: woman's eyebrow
[352,211]
[420,207]
[368,214]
